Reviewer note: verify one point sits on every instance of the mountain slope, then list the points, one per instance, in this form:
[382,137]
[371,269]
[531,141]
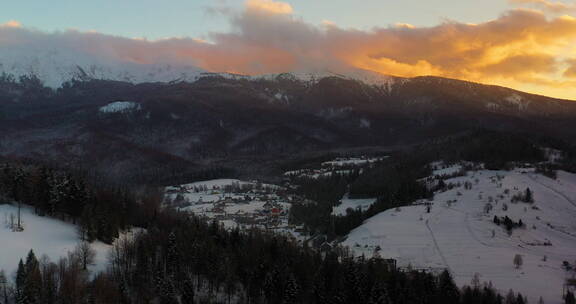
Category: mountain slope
[459,233]
[219,118]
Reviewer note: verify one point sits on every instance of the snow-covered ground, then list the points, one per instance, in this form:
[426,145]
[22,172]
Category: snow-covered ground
[315,173]
[459,235]
[341,166]
[44,235]
[442,169]
[351,203]
[351,161]
[213,190]
[120,107]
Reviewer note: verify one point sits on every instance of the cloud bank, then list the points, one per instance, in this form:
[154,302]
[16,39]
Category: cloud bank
[551,6]
[524,49]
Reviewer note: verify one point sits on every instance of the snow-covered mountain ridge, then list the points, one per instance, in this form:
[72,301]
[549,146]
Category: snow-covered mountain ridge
[55,67]
[58,65]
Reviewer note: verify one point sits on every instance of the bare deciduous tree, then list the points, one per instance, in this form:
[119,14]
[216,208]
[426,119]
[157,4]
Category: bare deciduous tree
[85,253]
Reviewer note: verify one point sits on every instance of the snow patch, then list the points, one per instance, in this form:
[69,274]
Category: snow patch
[352,161]
[120,107]
[44,235]
[351,203]
[492,106]
[518,101]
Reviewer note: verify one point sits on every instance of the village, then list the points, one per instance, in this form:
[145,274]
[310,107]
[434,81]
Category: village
[252,204]
[234,203]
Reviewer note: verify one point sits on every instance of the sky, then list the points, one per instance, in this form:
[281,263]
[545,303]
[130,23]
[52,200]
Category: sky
[156,19]
[528,45]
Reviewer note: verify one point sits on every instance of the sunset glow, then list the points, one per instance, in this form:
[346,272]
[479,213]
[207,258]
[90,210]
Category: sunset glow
[531,47]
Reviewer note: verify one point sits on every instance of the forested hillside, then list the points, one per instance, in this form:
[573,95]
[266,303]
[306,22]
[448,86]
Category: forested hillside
[183,259]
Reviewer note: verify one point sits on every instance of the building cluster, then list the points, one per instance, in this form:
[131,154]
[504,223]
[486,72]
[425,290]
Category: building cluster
[265,207]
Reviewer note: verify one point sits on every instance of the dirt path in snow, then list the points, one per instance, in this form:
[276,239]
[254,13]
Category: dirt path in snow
[436,243]
[553,190]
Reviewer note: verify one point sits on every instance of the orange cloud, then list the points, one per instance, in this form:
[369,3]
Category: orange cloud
[571,71]
[528,64]
[11,23]
[551,6]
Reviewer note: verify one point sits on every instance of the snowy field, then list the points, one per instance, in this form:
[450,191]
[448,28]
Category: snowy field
[44,235]
[458,233]
[351,203]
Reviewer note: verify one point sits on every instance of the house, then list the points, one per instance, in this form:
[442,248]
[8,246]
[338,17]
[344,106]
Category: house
[218,209]
[391,263]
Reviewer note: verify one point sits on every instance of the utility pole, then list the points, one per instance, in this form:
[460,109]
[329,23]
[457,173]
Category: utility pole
[19,222]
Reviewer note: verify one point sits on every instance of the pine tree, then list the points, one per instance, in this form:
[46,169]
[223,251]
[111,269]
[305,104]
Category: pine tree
[569,298]
[378,294]
[86,229]
[518,261]
[33,280]
[528,198]
[292,290]
[3,286]
[520,299]
[172,255]
[49,281]
[319,289]
[510,297]
[187,294]
[21,283]
[448,290]
[42,191]
[124,296]
[165,289]
[353,283]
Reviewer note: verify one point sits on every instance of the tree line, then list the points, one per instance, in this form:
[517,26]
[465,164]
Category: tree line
[182,259]
[100,209]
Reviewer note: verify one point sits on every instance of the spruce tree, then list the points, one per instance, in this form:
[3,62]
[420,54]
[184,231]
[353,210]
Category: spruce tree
[378,294]
[20,284]
[569,298]
[187,294]
[528,198]
[448,291]
[33,280]
[3,286]
[292,290]
[172,256]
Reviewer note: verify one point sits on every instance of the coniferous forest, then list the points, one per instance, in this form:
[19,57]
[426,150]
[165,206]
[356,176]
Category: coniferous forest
[184,259]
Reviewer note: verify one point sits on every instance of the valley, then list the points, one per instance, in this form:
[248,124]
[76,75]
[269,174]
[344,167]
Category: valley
[454,230]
